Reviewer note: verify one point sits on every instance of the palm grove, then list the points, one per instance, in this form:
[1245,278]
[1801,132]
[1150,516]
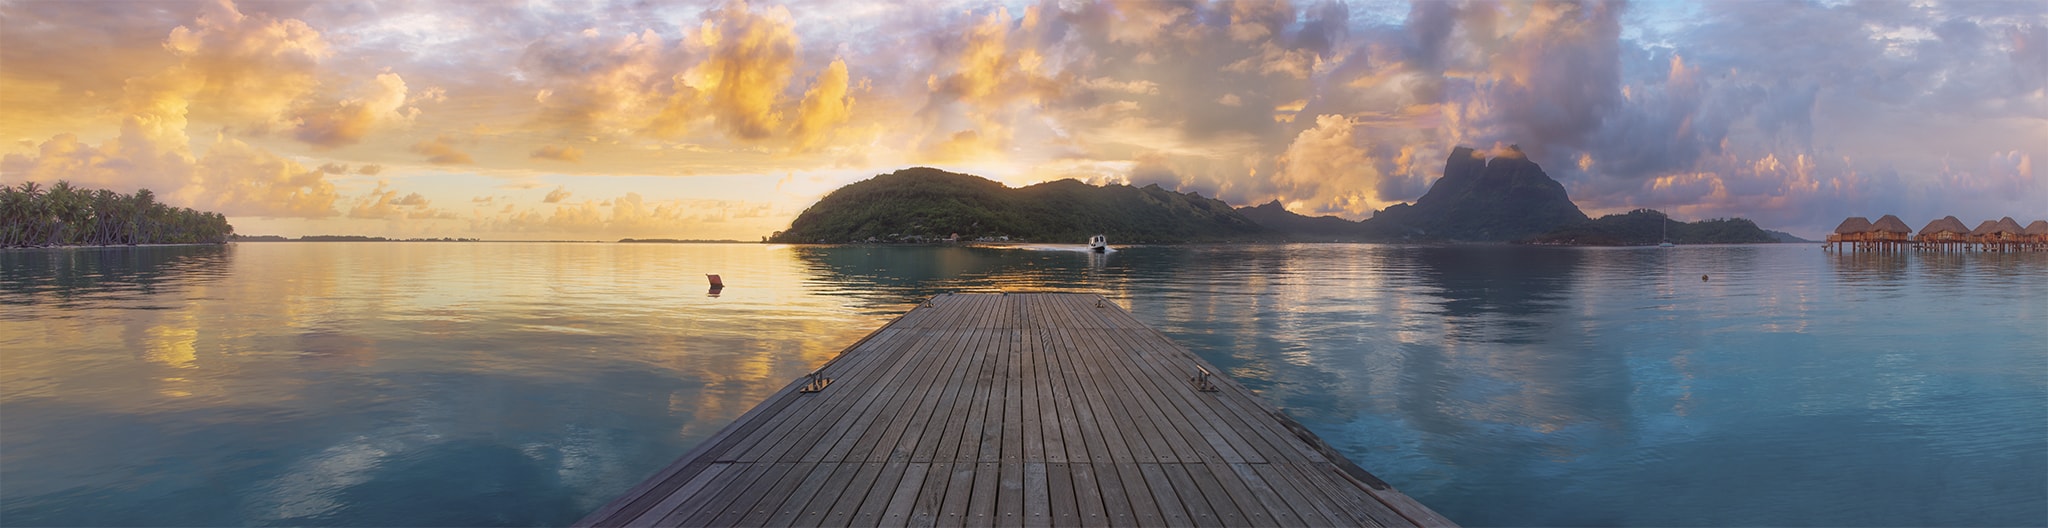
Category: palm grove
[31,216]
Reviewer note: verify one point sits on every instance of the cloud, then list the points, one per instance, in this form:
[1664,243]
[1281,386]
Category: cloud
[413,199]
[347,122]
[621,86]
[441,151]
[729,75]
[1326,166]
[249,69]
[556,196]
[385,203]
[232,178]
[551,152]
[1714,108]
[752,56]
[237,179]
[629,214]
[825,106]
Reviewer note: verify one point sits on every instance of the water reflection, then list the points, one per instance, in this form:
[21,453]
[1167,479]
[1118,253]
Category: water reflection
[67,275]
[461,384]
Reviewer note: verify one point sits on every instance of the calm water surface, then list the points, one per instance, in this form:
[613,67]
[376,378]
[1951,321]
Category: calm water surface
[526,384]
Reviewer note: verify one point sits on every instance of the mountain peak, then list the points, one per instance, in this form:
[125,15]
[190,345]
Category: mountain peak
[1506,197]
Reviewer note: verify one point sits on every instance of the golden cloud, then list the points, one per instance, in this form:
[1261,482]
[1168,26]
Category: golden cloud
[552,152]
[1326,166]
[825,106]
[241,68]
[556,196]
[627,215]
[441,151]
[384,203]
[752,56]
[237,179]
[349,121]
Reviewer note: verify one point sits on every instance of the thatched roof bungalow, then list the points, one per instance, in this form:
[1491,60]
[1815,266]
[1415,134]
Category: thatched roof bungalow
[1851,234]
[2010,229]
[2037,233]
[1855,224]
[1890,228]
[1944,228]
[1986,228]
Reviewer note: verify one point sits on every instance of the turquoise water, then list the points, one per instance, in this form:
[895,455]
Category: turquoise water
[525,384]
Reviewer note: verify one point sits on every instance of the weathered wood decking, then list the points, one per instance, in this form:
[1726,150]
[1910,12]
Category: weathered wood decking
[1013,410]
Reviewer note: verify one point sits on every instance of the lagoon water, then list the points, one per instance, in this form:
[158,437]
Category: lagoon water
[454,384]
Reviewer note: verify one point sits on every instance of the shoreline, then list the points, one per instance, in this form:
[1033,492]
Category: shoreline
[114,246]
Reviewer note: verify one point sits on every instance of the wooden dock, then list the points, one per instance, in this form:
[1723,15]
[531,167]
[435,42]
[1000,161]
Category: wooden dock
[1036,409]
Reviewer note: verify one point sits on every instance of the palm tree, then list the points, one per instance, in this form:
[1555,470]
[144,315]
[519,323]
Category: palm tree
[65,214]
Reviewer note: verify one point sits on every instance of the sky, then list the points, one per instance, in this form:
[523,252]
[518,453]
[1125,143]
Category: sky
[607,119]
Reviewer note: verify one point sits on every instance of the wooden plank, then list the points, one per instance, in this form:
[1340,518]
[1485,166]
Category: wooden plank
[675,500]
[819,507]
[770,502]
[1172,508]
[1235,417]
[1062,510]
[1131,482]
[1091,502]
[915,408]
[1014,410]
[857,420]
[843,510]
[708,504]
[982,498]
[1308,504]
[1202,510]
[1063,437]
[770,443]
[792,506]
[1219,496]
[1010,495]
[734,475]
[1029,382]
[869,511]
[636,501]
[1278,511]
[1255,414]
[950,415]
[1182,405]
[1037,505]
[902,504]
[1179,402]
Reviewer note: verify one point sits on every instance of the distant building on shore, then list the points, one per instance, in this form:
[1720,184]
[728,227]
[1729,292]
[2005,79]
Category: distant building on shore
[1948,233]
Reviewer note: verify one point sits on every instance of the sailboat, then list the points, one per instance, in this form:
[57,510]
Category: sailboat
[1667,233]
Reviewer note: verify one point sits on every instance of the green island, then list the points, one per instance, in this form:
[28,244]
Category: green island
[1503,199]
[923,204]
[1644,227]
[64,215]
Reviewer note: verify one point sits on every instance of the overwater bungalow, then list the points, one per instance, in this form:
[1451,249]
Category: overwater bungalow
[2037,235]
[1889,233]
[2011,235]
[1944,234]
[1850,235]
[1996,235]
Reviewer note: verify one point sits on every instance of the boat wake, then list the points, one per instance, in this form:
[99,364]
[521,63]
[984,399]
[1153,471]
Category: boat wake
[1075,248]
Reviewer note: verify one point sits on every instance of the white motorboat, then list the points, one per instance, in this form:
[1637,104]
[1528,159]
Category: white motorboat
[1098,244]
